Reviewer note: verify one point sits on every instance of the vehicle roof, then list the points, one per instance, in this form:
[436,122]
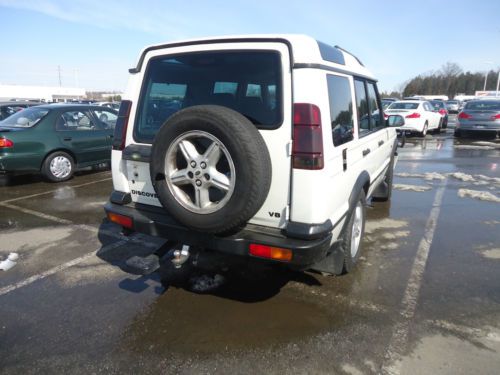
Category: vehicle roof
[485,100]
[19,103]
[70,106]
[303,49]
[411,100]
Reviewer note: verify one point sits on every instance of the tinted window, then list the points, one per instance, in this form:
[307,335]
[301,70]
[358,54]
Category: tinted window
[374,107]
[330,53]
[340,95]
[75,120]
[483,106]
[404,105]
[362,107]
[106,119]
[248,82]
[26,118]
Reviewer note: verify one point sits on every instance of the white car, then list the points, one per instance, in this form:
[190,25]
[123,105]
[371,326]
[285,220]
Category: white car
[420,117]
[252,149]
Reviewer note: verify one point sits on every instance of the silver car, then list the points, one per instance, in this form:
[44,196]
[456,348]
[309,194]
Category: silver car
[453,106]
[479,116]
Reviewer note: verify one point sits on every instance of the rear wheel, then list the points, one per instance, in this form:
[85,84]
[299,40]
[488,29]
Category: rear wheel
[58,166]
[353,233]
[423,133]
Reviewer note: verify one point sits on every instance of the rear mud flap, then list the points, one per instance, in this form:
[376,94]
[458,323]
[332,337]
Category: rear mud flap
[333,263]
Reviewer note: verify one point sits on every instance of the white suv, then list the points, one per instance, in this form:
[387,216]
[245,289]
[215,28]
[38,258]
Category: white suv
[262,147]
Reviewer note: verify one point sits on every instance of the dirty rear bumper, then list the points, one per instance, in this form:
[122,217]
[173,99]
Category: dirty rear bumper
[155,221]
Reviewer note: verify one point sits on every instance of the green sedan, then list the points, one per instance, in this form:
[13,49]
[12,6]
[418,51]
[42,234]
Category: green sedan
[56,139]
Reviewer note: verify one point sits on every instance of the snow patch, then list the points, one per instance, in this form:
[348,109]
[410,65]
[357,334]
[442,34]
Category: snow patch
[491,253]
[476,194]
[429,176]
[472,147]
[372,226]
[415,188]
[397,234]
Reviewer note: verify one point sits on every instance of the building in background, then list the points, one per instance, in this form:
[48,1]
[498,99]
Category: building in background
[41,93]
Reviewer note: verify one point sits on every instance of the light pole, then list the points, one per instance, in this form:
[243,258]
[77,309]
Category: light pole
[486,74]
[498,82]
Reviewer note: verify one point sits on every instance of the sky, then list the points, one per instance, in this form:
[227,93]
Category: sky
[93,43]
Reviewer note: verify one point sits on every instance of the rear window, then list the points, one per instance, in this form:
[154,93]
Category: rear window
[437,104]
[248,82]
[404,105]
[483,106]
[26,118]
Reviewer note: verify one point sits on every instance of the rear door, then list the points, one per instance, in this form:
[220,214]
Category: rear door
[373,144]
[79,132]
[252,78]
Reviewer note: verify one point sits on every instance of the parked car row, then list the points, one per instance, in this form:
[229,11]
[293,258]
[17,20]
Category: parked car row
[56,139]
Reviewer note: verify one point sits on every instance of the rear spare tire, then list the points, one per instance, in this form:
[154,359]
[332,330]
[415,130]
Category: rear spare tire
[210,168]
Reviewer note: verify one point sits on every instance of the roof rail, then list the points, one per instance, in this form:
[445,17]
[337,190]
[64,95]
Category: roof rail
[358,60]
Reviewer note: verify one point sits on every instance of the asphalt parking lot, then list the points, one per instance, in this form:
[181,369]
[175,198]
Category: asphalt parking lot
[424,299]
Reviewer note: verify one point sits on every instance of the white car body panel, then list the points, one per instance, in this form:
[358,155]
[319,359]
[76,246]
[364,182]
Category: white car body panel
[298,195]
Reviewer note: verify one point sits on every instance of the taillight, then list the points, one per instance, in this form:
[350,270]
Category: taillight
[276,253]
[443,111]
[386,116]
[6,143]
[122,220]
[121,125]
[307,151]
[496,117]
[413,115]
[464,116]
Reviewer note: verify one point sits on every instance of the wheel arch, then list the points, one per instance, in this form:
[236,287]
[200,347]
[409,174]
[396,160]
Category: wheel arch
[362,183]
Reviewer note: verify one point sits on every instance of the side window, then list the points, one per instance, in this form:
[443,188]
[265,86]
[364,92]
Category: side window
[341,112]
[225,88]
[107,119]
[362,107]
[253,90]
[374,108]
[74,120]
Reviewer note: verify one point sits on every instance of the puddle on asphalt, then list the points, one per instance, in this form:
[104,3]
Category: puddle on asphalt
[184,322]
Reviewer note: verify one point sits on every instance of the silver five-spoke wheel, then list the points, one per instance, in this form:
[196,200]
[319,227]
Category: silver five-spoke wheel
[200,172]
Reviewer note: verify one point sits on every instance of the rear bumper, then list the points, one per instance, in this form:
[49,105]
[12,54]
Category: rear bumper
[155,221]
[479,126]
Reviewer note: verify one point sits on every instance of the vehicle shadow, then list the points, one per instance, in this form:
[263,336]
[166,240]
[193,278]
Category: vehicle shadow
[249,284]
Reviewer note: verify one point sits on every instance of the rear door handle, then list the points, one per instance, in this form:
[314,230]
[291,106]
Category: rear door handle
[366,152]
[67,139]
[380,143]
[110,136]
